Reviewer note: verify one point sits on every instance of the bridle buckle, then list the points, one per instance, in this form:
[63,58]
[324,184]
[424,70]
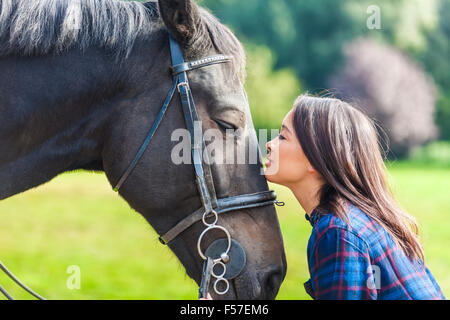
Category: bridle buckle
[161,239]
[182,84]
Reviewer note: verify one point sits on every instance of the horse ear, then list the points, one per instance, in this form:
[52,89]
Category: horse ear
[182,18]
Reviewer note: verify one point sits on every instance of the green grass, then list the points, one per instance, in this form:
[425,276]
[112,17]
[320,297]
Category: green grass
[77,220]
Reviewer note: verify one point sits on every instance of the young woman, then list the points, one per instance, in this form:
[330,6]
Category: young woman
[362,245]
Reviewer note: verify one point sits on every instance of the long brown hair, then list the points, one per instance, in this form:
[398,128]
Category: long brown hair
[342,144]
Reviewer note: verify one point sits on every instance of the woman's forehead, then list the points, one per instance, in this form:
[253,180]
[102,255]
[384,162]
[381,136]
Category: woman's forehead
[288,120]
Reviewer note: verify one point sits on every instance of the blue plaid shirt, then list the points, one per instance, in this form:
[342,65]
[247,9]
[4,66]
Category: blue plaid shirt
[362,262]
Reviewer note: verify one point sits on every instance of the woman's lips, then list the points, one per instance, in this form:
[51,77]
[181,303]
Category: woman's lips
[268,162]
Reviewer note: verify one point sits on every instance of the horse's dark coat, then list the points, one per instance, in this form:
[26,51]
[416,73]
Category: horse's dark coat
[84,109]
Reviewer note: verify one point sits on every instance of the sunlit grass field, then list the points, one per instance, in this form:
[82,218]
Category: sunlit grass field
[76,220]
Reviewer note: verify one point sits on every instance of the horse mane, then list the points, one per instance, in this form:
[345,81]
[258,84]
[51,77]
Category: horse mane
[39,27]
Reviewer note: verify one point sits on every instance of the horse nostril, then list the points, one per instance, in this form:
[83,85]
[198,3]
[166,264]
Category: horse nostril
[273,283]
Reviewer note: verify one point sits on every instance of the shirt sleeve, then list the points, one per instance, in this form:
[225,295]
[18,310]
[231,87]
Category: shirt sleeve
[340,267]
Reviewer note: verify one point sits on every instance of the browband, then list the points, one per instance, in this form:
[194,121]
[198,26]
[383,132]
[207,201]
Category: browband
[191,65]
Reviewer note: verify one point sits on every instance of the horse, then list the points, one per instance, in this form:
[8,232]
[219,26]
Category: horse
[82,81]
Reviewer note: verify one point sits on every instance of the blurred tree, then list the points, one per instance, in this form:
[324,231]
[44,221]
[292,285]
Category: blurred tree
[271,93]
[404,23]
[443,115]
[307,36]
[304,35]
[391,88]
[436,59]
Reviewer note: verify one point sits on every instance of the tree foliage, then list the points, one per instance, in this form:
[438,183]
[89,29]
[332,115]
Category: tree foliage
[304,35]
[271,93]
[308,37]
[391,88]
[436,59]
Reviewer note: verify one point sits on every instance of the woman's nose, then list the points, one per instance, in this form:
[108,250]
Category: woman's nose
[268,144]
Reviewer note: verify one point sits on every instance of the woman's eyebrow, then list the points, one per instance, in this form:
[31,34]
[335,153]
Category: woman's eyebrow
[286,128]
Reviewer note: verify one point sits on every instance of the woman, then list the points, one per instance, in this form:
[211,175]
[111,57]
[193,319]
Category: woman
[362,245]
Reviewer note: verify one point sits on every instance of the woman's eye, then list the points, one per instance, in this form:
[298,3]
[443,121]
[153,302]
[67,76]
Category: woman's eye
[281,137]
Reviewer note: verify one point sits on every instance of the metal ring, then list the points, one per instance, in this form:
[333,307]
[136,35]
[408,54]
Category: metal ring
[226,289]
[215,220]
[224,270]
[203,233]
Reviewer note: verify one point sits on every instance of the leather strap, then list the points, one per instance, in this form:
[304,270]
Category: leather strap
[239,202]
[187,66]
[179,67]
[208,266]
[149,137]
[206,190]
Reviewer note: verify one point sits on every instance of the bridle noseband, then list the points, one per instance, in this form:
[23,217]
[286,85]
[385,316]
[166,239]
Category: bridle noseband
[225,252]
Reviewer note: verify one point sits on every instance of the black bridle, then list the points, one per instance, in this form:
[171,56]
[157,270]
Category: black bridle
[228,253]
[211,206]
[202,168]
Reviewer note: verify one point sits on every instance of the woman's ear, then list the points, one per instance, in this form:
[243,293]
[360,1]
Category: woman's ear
[182,18]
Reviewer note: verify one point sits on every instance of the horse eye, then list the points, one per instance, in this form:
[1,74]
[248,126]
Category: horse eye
[225,125]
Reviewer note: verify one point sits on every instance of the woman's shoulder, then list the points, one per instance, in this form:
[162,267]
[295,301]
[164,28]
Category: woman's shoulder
[332,236]
[357,225]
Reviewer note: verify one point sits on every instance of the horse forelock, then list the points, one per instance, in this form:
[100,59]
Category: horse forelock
[224,42]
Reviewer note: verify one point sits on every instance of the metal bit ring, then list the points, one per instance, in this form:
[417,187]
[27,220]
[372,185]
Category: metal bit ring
[201,237]
[220,276]
[205,214]
[226,283]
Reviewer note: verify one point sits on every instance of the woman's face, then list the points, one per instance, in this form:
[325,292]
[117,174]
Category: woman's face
[286,163]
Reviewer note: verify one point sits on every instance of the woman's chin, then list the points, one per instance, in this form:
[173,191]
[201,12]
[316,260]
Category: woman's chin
[269,175]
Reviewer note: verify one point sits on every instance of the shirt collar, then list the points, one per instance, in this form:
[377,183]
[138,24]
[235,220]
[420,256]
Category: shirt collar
[313,217]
